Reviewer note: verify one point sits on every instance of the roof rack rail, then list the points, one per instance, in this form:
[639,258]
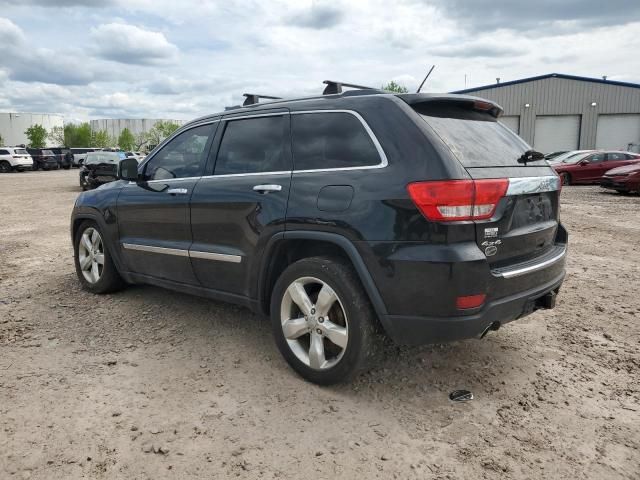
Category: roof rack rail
[334,87]
[253,98]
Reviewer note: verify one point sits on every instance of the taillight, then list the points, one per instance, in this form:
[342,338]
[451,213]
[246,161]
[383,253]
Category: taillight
[457,200]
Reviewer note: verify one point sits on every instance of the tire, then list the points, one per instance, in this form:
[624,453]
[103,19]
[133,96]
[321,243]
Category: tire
[349,320]
[67,167]
[5,167]
[565,178]
[106,277]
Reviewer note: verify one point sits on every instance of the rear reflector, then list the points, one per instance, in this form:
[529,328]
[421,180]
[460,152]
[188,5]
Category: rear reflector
[458,200]
[470,301]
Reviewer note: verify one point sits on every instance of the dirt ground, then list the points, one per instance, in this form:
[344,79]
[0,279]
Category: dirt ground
[148,383]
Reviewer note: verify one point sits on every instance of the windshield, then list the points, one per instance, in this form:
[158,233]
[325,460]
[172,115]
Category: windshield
[47,152]
[102,157]
[568,156]
[576,157]
[479,143]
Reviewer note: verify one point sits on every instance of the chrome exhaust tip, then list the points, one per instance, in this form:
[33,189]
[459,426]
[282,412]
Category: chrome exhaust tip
[492,327]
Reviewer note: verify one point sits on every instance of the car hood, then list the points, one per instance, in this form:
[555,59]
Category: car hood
[625,169]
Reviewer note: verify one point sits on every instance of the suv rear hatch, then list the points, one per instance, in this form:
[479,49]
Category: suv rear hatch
[521,223]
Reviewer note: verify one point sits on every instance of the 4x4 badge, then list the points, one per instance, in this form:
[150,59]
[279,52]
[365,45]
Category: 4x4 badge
[491,243]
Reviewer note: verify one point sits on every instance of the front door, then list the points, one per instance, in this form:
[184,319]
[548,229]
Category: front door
[153,214]
[590,168]
[242,201]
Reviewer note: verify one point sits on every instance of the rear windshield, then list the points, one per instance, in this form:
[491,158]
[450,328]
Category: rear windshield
[47,152]
[20,151]
[478,143]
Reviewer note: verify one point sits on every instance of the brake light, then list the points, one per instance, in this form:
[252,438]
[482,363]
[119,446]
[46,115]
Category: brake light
[458,200]
[470,301]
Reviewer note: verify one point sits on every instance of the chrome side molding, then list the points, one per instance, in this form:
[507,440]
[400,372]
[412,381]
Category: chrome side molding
[148,248]
[222,257]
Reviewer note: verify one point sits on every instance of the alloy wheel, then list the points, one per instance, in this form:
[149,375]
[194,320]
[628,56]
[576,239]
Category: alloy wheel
[314,323]
[91,255]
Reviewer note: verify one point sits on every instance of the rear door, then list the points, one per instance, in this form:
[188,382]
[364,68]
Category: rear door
[525,222]
[153,214]
[242,201]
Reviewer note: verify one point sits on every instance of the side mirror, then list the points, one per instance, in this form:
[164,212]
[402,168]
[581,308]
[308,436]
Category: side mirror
[128,169]
[583,162]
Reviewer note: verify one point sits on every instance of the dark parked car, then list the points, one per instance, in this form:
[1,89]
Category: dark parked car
[623,179]
[338,216]
[589,167]
[80,154]
[64,157]
[99,168]
[43,159]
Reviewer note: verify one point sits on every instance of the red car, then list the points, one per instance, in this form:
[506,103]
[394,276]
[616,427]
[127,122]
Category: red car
[590,166]
[623,179]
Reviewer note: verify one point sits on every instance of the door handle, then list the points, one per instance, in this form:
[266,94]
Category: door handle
[177,191]
[267,188]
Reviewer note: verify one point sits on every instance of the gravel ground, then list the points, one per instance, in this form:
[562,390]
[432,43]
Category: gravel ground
[148,383]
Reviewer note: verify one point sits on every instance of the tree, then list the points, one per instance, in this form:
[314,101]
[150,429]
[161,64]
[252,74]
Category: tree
[140,141]
[160,131]
[37,136]
[100,139]
[126,140]
[395,87]
[77,135]
[56,135]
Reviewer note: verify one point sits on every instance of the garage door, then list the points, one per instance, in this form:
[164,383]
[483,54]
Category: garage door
[512,121]
[615,132]
[556,132]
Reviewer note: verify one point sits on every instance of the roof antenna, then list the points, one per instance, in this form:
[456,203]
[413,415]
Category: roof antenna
[425,78]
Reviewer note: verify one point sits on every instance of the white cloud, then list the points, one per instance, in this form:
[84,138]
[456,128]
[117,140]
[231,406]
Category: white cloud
[130,44]
[162,58]
[10,34]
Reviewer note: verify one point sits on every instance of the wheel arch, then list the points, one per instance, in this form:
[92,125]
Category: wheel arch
[287,247]
[79,218]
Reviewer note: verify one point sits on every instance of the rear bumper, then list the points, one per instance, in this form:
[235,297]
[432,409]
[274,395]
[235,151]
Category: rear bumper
[409,330]
[420,284]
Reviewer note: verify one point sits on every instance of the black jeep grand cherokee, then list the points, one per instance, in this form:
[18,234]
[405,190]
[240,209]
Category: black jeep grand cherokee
[338,216]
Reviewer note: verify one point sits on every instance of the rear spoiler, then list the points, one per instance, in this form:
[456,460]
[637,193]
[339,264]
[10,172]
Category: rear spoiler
[427,101]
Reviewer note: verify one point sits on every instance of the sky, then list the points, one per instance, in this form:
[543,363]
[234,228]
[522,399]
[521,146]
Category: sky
[182,59]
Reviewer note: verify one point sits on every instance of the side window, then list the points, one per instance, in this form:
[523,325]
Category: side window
[331,140]
[4,152]
[598,157]
[254,145]
[615,156]
[181,157]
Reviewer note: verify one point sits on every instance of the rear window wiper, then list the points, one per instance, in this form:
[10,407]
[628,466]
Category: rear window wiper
[531,156]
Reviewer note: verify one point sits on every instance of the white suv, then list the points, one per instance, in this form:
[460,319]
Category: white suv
[15,158]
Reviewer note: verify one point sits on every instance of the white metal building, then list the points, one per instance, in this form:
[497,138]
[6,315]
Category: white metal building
[115,126]
[13,126]
[564,112]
